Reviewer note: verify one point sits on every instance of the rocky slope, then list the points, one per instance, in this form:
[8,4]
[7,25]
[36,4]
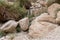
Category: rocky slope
[43,25]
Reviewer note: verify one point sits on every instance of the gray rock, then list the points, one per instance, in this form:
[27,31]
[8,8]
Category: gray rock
[45,17]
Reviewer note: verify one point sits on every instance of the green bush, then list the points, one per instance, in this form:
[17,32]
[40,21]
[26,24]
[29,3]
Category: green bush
[14,11]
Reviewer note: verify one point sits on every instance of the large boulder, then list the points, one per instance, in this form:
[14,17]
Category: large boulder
[42,25]
[53,9]
[9,26]
[45,17]
[41,29]
[24,23]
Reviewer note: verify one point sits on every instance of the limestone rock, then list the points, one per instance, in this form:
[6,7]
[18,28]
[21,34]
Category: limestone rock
[40,29]
[24,23]
[53,9]
[9,26]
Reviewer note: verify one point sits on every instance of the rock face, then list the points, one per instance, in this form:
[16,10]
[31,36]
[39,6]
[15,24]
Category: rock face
[24,23]
[9,26]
